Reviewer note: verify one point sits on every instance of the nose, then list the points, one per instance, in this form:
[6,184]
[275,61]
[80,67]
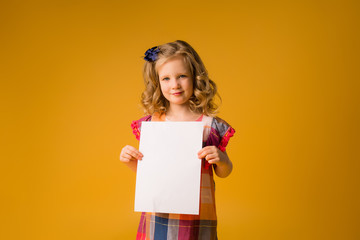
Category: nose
[174,83]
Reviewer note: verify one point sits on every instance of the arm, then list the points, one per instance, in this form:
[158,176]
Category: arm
[130,156]
[223,165]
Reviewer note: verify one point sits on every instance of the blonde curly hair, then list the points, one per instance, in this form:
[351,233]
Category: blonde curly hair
[205,90]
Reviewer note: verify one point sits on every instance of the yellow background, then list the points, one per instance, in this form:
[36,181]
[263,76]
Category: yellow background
[288,74]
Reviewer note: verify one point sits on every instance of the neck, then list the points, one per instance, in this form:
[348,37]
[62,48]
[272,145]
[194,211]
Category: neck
[181,113]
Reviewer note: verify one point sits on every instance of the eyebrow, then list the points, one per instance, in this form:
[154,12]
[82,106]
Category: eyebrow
[182,73]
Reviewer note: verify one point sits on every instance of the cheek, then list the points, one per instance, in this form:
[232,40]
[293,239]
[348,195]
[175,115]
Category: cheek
[163,88]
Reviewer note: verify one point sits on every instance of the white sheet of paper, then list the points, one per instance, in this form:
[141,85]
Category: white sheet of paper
[168,176]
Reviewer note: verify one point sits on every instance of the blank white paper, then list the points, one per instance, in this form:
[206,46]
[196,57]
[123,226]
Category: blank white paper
[168,176]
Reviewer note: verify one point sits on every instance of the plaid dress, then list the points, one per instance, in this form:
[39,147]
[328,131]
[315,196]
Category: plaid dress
[162,226]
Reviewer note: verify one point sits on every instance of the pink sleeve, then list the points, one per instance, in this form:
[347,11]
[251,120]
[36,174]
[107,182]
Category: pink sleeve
[136,125]
[225,139]
[136,130]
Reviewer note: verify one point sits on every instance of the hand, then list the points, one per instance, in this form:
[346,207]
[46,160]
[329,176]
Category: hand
[129,153]
[213,155]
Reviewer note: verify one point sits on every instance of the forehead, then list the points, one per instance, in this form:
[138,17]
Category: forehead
[177,64]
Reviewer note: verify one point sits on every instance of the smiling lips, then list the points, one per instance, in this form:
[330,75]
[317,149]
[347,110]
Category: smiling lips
[177,93]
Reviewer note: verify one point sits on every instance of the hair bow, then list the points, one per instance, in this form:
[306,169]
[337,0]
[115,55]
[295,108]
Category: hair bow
[151,54]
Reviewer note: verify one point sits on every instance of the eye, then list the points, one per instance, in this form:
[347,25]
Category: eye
[166,79]
[182,76]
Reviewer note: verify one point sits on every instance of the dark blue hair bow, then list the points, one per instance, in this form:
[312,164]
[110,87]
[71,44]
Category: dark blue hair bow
[151,54]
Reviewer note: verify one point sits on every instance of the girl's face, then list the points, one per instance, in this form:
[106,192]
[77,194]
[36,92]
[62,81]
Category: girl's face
[176,81]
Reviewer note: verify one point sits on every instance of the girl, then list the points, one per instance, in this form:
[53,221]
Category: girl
[177,88]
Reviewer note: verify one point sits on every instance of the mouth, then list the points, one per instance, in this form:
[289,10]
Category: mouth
[177,93]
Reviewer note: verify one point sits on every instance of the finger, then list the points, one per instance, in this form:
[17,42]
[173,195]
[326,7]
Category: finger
[210,157]
[132,149]
[128,147]
[132,158]
[124,157]
[204,149]
[135,153]
[201,153]
[213,161]
[205,152]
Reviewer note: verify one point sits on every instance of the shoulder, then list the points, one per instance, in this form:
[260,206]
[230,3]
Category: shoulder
[223,130]
[137,123]
[145,118]
[220,125]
